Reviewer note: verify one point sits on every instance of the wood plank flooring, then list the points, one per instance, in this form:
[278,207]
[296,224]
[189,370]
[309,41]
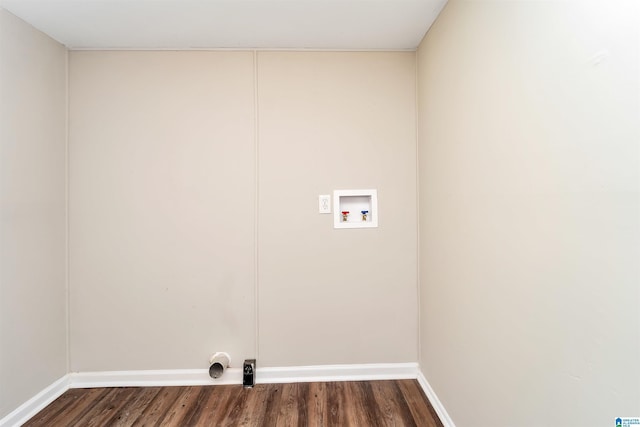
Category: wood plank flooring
[357,403]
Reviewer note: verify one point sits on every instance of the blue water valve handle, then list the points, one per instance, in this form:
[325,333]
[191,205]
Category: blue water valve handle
[364,215]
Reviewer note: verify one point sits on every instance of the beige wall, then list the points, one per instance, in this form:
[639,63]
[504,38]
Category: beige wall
[162,193]
[33,343]
[336,121]
[529,133]
[162,208]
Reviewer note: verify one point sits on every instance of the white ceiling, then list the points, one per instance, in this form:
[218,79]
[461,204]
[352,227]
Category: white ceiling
[189,24]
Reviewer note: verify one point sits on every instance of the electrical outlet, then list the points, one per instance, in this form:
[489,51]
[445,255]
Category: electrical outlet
[324,203]
[249,373]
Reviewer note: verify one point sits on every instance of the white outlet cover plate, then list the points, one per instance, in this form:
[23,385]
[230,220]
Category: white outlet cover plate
[324,203]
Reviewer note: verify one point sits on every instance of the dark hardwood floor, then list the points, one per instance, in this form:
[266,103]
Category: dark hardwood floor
[357,403]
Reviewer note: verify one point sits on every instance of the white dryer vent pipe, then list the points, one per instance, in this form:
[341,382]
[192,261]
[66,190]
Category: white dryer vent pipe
[218,363]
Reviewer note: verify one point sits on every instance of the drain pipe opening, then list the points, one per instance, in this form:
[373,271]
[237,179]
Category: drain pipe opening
[218,363]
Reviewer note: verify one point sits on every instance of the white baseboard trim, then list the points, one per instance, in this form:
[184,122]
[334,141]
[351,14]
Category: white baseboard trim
[364,372]
[292,374]
[266,375]
[149,378]
[31,407]
[435,402]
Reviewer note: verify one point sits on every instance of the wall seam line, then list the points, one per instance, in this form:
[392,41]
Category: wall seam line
[417,166]
[67,224]
[256,224]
